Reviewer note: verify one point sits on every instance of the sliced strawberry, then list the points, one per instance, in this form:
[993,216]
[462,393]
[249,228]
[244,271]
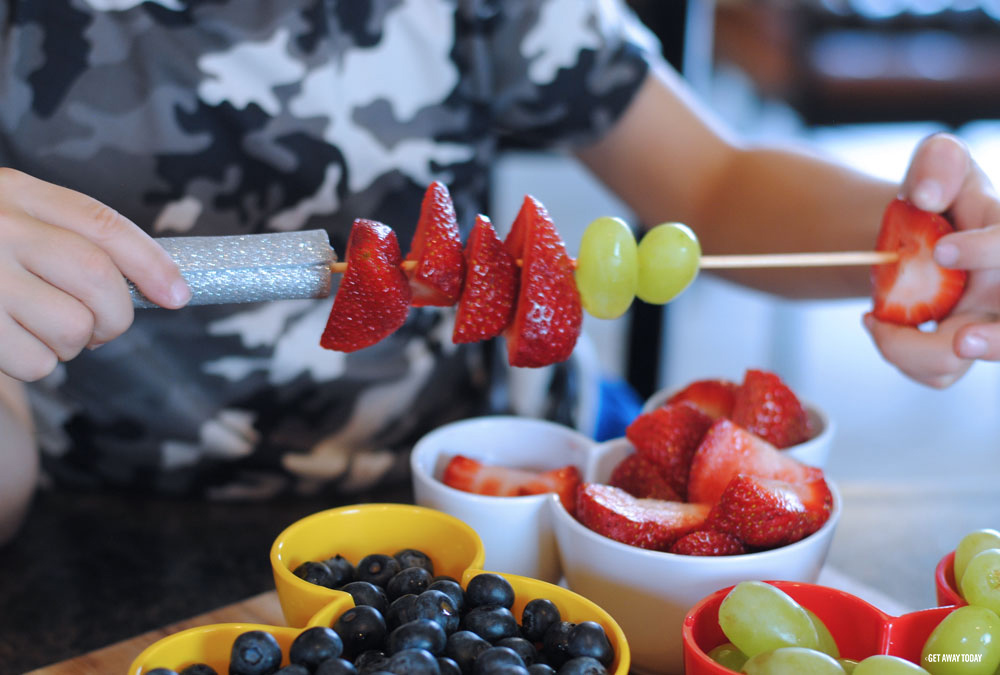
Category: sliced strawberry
[487,303]
[712,397]
[766,406]
[514,242]
[563,481]
[470,475]
[647,523]
[914,289]
[373,298]
[728,450]
[767,513]
[437,277]
[642,478]
[548,316]
[708,542]
[668,437]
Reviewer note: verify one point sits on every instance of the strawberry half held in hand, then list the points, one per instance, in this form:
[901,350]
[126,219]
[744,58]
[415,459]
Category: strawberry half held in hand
[715,398]
[647,523]
[768,513]
[470,475]
[729,450]
[486,306]
[437,277]
[913,289]
[668,437]
[373,298]
[766,406]
[549,315]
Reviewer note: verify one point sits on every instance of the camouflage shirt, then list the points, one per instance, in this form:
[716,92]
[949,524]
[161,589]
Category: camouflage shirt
[208,117]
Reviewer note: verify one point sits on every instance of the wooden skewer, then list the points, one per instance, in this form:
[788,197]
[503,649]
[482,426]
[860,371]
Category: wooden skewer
[762,260]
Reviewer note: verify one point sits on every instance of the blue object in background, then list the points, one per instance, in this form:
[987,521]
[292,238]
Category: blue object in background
[619,404]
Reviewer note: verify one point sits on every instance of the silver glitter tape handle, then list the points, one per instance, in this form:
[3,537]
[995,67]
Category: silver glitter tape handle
[250,267]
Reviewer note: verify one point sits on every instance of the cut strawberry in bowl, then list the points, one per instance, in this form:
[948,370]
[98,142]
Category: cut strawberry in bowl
[531,462]
[439,272]
[915,289]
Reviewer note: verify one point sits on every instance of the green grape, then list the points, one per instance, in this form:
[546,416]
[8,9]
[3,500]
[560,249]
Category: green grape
[966,642]
[970,545]
[792,661]
[882,664]
[669,255]
[758,617]
[827,644]
[981,581]
[729,656]
[848,665]
[607,269]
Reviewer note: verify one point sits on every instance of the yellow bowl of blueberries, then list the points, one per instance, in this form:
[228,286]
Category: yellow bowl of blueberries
[400,589]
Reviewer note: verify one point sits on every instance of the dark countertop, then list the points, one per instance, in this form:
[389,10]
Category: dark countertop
[89,570]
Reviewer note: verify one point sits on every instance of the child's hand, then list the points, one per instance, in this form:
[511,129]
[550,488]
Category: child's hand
[943,178]
[62,260]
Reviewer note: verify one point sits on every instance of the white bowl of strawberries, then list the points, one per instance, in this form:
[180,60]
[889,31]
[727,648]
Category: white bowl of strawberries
[691,502]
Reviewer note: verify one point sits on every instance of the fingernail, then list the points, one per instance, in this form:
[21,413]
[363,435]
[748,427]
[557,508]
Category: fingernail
[972,346]
[946,254]
[180,293]
[869,321]
[928,196]
[95,345]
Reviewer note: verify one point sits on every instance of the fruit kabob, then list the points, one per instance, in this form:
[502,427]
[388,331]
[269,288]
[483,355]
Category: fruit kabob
[527,287]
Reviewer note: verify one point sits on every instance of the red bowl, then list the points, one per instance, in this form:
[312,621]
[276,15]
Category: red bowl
[859,628]
[944,582]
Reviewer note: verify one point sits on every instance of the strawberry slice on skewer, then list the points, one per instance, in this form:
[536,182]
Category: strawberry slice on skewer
[548,316]
[437,276]
[486,305]
[914,289]
[373,298]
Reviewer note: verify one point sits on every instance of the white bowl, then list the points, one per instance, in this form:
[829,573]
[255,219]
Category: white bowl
[649,592]
[814,452]
[516,531]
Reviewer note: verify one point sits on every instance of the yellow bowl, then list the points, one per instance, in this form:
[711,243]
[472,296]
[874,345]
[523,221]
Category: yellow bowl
[359,530]
[572,607]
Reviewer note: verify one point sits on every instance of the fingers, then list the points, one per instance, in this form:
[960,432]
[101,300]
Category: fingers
[131,250]
[970,249]
[926,357]
[978,341]
[937,172]
[24,357]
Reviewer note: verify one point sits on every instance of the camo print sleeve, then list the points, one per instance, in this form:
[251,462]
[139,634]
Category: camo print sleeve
[564,70]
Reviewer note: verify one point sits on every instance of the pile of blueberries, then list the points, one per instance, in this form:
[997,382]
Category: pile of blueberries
[406,621]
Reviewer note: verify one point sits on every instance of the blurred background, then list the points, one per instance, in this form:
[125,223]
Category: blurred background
[862,81]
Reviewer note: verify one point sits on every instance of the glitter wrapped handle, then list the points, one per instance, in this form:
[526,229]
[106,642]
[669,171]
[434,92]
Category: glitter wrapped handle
[250,267]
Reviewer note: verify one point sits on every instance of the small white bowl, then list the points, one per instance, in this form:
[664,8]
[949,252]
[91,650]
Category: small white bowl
[649,592]
[814,452]
[517,532]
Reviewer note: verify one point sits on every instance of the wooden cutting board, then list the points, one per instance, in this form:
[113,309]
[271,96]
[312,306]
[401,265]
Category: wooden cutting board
[117,658]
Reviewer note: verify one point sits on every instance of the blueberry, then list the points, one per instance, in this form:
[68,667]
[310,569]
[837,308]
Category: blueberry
[314,645]
[452,589]
[411,557]
[524,649]
[445,577]
[494,657]
[489,590]
[448,666]
[582,665]
[315,573]
[371,660]
[536,618]
[199,669]
[541,669]
[419,634]
[360,628]
[490,623]
[336,667]
[508,669]
[255,652]
[341,568]
[413,580]
[377,569]
[162,671]
[589,639]
[555,644]
[464,647]
[413,662]
[293,669]
[367,593]
[401,610]
[439,607]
